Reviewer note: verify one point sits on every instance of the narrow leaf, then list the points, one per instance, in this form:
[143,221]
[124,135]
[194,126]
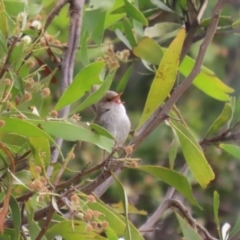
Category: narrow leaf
[165,77]
[133,12]
[81,84]
[188,232]
[123,196]
[123,82]
[216,202]
[98,94]
[223,118]
[16,216]
[231,149]
[193,154]
[173,178]
[72,132]
[149,50]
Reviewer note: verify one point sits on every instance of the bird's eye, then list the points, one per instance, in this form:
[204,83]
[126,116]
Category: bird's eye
[109,100]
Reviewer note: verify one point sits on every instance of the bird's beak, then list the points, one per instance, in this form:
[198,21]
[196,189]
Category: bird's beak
[117,98]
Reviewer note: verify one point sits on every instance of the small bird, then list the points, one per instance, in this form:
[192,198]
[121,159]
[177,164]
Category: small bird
[111,115]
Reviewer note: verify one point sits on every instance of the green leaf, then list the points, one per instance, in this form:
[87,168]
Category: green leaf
[33,227]
[123,196]
[231,149]
[206,81]
[236,114]
[72,132]
[123,82]
[104,4]
[164,78]
[236,227]
[99,29]
[83,51]
[223,118]
[149,50]
[16,216]
[14,7]
[162,31]
[41,151]
[216,202]
[116,221]
[3,20]
[172,153]
[81,84]
[188,232]
[121,36]
[223,21]
[98,94]
[129,32]
[133,12]
[3,45]
[173,178]
[111,19]
[100,130]
[193,154]
[161,5]
[69,231]
[236,24]
[22,128]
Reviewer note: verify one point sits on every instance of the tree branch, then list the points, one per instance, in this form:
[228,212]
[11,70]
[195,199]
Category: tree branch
[161,113]
[67,64]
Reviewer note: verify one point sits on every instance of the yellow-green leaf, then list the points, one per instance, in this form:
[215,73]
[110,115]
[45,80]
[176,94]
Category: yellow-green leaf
[193,154]
[206,81]
[123,196]
[231,149]
[149,50]
[225,115]
[165,77]
[189,233]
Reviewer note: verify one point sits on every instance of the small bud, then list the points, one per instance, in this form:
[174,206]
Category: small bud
[2,123]
[76,117]
[36,25]
[71,155]
[129,149]
[31,63]
[27,96]
[43,180]
[20,116]
[56,42]
[37,169]
[48,37]
[43,42]
[74,198]
[7,82]
[46,92]
[29,83]
[20,16]
[88,216]
[54,113]
[38,17]
[134,164]
[89,228]
[9,105]
[91,198]
[96,213]
[104,224]
[26,40]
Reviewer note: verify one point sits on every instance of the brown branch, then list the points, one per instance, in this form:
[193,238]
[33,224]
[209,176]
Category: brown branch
[47,222]
[67,64]
[5,65]
[161,113]
[54,12]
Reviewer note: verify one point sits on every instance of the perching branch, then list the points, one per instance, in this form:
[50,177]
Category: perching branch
[161,113]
